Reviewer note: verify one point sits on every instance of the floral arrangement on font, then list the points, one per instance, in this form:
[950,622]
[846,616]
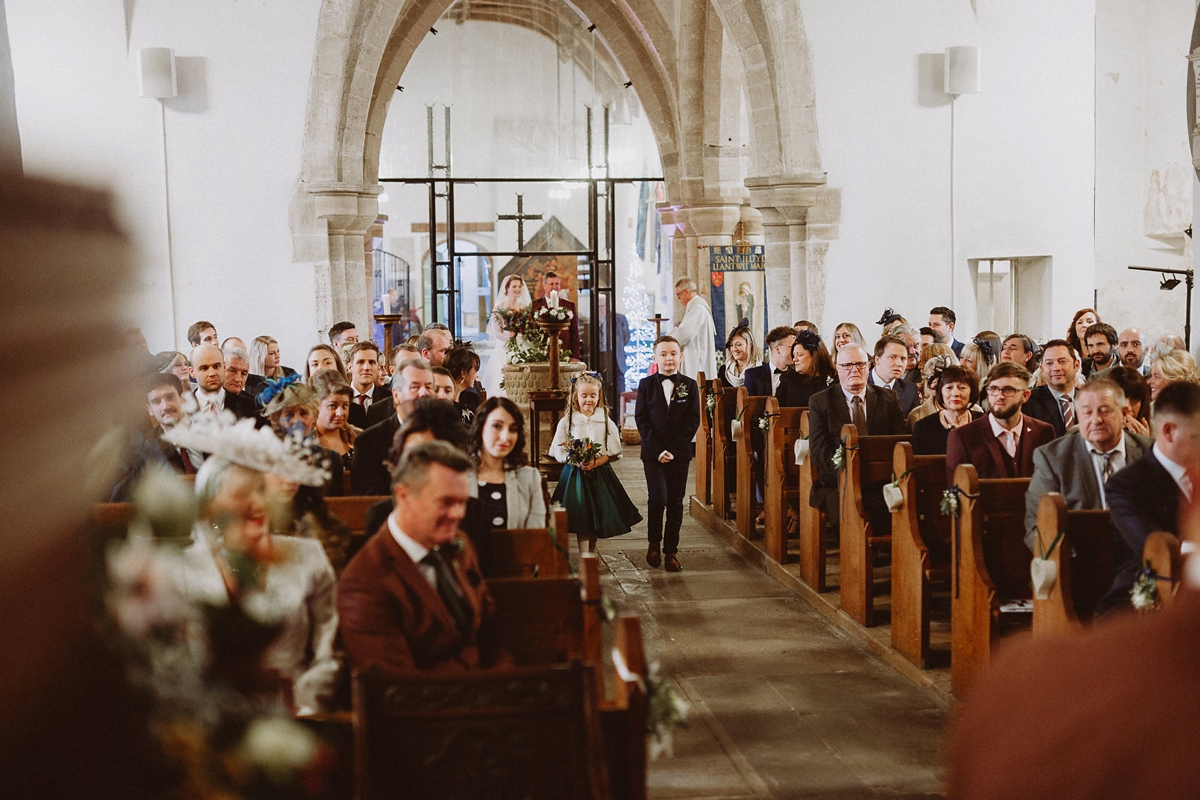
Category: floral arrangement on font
[556,314]
[529,343]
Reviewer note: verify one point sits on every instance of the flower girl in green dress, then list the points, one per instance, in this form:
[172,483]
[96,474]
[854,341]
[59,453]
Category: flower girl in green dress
[586,441]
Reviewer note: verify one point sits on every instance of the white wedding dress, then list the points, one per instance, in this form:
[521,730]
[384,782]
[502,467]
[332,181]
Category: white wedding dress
[491,374]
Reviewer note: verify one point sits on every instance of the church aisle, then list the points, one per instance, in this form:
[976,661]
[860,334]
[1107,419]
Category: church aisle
[783,705]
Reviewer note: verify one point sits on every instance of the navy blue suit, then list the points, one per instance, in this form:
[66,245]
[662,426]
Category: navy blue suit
[758,380]
[1142,498]
[667,427]
[1042,405]
[908,393]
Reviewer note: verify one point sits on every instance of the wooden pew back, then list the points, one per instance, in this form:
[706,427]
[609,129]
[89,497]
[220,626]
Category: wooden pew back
[530,732]
[920,549]
[352,510]
[1161,554]
[812,520]
[1086,562]
[704,444]
[551,620]
[749,469]
[724,480]
[991,567]
[529,552]
[782,479]
[868,462]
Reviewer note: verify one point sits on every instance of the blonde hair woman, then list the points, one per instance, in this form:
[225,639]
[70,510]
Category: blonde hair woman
[846,333]
[264,359]
[1171,367]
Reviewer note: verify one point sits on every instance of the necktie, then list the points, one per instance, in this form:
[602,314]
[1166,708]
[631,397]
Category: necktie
[361,399]
[1009,440]
[1068,411]
[858,417]
[1108,469]
[447,588]
[188,467]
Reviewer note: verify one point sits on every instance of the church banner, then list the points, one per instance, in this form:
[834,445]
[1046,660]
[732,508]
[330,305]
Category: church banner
[738,290]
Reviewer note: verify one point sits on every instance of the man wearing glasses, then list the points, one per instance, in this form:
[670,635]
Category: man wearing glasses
[874,410]
[1000,443]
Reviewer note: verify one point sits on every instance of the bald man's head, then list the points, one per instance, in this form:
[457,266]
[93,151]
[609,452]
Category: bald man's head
[1131,347]
[208,368]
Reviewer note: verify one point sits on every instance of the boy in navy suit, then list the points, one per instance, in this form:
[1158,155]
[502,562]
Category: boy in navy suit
[668,415]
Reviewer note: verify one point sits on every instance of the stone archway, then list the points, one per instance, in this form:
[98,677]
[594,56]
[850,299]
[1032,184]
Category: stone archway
[362,50]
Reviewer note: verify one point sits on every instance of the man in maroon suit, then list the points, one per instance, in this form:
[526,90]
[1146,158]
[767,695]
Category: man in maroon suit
[1000,443]
[570,337]
[413,598]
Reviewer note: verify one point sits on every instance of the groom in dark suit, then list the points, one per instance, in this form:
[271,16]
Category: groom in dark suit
[570,337]
[830,409]
[668,414]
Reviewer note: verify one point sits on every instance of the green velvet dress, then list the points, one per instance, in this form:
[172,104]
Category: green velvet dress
[596,502]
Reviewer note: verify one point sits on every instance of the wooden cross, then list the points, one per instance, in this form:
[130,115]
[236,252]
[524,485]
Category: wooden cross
[658,320]
[519,218]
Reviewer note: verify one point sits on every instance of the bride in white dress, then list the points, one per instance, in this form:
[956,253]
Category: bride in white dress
[513,294]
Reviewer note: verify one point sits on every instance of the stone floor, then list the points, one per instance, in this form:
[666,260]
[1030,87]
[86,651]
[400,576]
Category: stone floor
[784,705]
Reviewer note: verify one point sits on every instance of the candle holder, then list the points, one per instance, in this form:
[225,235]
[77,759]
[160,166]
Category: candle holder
[552,328]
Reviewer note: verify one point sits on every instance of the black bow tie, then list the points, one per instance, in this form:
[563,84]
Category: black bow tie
[779,371]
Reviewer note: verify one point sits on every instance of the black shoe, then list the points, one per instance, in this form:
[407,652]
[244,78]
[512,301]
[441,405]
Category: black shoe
[673,564]
[654,556]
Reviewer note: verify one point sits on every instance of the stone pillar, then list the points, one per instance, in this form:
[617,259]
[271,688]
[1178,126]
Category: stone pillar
[799,217]
[339,262]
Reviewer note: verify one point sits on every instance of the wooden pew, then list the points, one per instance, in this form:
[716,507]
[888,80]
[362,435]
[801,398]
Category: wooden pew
[782,479]
[920,549]
[352,510]
[704,445]
[812,521]
[990,568]
[623,716]
[529,552]
[868,462]
[724,471]
[531,732]
[1162,555]
[749,469]
[1086,558]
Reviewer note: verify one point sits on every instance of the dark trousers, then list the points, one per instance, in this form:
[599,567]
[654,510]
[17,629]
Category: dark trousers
[667,486]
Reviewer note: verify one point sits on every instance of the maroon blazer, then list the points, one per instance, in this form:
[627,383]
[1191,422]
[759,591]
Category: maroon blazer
[1109,712]
[569,337]
[394,620]
[974,443]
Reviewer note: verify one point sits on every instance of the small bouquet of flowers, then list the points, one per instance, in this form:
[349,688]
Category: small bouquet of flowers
[556,314]
[581,452]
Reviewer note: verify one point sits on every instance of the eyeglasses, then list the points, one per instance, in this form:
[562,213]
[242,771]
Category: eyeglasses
[853,366]
[1007,391]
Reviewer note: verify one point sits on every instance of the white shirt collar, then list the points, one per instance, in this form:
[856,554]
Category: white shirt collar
[415,551]
[878,381]
[214,398]
[1120,448]
[1058,396]
[1176,471]
[850,397]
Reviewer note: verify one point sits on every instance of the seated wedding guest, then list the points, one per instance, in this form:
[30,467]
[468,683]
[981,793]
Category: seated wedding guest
[805,324]
[1147,494]
[981,354]
[463,364]
[1101,340]
[237,370]
[429,420]
[414,596]
[443,384]
[875,411]
[1137,397]
[291,408]
[369,474]
[846,333]
[929,336]
[1054,402]
[386,408]
[202,332]
[1078,464]
[1019,349]
[1076,334]
[297,510]
[890,320]
[762,380]
[334,431]
[1168,342]
[510,492]
[891,362]
[434,343]
[912,370]
[343,333]
[1002,442]
[363,361]
[812,371]
[264,359]
[175,363]
[281,581]
[932,369]
[740,355]
[323,356]
[942,321]
[208,368]
[1170,366]
[955,399]
[164,403]
[1131,350]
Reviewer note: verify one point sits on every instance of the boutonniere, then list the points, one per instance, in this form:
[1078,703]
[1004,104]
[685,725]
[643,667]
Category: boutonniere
[680,393]
[452,550]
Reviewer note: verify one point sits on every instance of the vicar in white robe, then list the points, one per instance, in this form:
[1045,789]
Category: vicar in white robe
[696,332]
